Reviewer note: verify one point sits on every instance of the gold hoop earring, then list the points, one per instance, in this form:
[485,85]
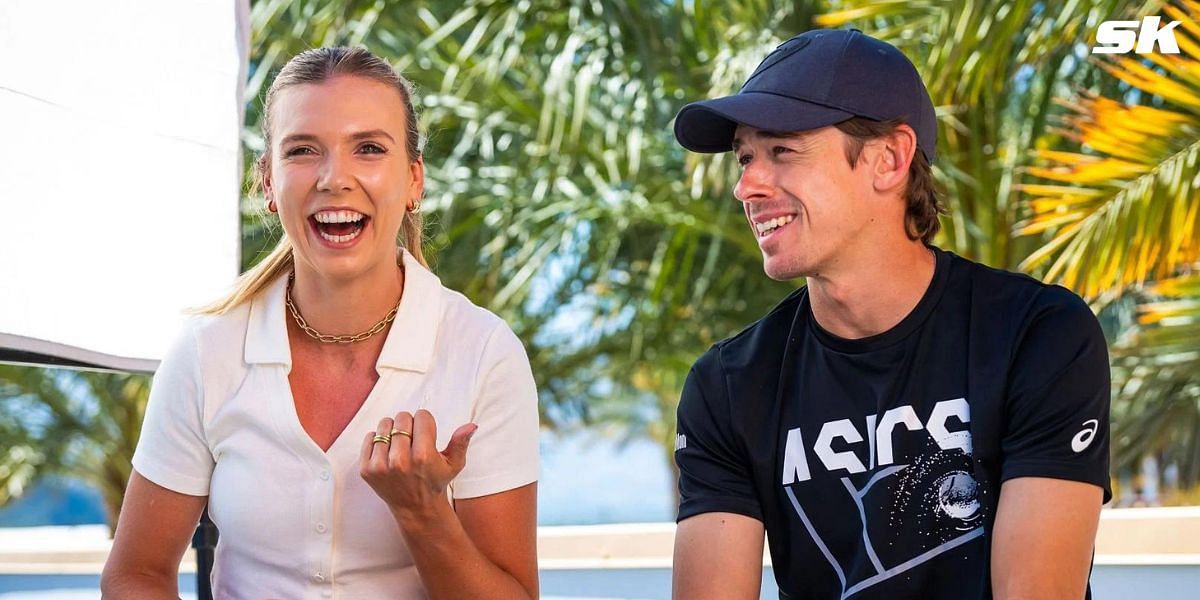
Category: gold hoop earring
[271,207]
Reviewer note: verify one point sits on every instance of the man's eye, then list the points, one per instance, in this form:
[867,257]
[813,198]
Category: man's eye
[743,159]
[777,150]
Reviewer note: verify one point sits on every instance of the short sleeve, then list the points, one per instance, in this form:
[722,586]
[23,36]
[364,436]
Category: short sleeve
[714,476]
[1058,397]
[503,453]
[172,450]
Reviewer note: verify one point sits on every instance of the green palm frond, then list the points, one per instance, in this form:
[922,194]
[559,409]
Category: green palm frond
[992,69]
[1155,367]
[75,423]
[554,189]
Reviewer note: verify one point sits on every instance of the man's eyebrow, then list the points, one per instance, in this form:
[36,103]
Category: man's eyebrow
[780,135]
[774,135]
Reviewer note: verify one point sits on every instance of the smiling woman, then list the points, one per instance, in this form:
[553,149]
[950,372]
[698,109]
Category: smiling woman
[304,408]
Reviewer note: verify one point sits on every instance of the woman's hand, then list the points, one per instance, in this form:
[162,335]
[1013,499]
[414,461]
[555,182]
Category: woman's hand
[409,473]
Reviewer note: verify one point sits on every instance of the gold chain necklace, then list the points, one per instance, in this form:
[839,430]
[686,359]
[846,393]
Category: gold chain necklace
[335,339]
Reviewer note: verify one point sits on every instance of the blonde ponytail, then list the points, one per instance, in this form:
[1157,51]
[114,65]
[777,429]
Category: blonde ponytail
[279,262]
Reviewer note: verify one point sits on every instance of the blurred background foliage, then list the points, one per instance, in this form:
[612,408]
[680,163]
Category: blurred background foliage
[558,198]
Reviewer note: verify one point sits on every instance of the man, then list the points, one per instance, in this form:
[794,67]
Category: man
[908,425]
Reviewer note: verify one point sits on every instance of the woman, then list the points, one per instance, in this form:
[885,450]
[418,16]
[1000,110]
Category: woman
[308,408]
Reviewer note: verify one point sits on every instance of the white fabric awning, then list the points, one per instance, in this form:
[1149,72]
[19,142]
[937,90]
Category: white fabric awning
[120,172]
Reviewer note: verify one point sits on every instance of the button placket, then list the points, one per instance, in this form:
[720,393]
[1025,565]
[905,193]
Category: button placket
[321,492]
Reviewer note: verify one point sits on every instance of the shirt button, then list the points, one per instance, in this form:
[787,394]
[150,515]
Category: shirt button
[318,577]
[320,528]
[324,474]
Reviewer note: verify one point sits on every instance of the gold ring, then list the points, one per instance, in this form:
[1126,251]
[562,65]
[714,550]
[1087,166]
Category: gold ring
[386,439]
[403,433]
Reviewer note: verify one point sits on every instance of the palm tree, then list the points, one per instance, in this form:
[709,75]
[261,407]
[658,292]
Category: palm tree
[554,178]
[83,425]
[993,69]
[1122,211]
[558,194]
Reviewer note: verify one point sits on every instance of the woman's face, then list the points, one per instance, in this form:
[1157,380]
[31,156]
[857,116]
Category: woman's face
[340,174]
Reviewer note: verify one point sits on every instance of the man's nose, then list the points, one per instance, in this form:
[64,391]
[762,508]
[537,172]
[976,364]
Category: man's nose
[754,182]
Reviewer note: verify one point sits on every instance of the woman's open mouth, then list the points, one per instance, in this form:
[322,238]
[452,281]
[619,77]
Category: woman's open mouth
[339,228]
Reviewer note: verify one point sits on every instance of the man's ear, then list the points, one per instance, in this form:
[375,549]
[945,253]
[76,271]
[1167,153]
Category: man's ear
[893,155]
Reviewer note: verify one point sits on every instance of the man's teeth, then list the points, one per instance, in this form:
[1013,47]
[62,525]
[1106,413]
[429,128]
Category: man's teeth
[338,216]
[768,226]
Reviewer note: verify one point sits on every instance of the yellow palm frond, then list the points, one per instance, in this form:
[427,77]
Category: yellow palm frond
[1126,208]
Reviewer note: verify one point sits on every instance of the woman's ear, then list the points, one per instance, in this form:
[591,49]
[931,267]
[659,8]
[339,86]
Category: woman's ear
[417,183]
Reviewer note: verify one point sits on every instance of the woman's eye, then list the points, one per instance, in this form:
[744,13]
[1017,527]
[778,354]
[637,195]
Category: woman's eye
[298,151]
[373,149]
[743,159]
[777,150]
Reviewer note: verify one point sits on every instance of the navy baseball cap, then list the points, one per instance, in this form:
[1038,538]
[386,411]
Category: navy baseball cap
[818,78]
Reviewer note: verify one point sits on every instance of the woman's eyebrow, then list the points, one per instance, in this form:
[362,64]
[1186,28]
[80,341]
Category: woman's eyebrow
[361,135]
[297,137]
[374,133]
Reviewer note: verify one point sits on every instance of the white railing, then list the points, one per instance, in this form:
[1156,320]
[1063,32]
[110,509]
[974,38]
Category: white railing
[1127,536]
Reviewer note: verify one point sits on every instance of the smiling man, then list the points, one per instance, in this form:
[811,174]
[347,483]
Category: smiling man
[909,424]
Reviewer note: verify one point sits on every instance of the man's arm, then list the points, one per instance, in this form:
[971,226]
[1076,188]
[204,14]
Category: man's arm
[718,556]
[1044,536]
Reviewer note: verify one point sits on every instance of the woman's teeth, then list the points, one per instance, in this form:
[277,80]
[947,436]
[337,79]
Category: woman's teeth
[338,216]
[340,239]
[339,226]
[768,226]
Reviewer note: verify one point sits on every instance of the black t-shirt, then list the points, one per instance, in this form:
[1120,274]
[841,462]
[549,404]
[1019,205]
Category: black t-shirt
[875,464]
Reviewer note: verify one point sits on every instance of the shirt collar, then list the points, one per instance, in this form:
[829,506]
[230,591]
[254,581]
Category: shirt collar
[410,341]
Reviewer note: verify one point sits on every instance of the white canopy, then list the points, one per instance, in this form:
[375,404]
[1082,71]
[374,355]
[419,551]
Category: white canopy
[120,172]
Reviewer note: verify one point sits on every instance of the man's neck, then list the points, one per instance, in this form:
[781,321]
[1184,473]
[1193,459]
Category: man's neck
[872,296]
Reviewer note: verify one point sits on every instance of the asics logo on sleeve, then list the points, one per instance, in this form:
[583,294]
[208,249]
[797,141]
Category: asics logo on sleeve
[680,442]
[1084,438]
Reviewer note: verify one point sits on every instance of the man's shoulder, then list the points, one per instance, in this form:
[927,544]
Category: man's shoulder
[758,342]
[1000,287]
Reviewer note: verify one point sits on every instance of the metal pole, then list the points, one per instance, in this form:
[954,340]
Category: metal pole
[204,541]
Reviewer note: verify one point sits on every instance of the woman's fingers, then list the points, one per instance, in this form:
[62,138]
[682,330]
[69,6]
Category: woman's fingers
[408,469]
[456,450]
[424,448]
[373,457]
[400,453]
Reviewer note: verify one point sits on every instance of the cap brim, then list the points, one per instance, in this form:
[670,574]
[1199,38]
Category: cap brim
[708,125]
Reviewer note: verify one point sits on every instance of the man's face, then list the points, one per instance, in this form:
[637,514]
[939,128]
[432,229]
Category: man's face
[805,204]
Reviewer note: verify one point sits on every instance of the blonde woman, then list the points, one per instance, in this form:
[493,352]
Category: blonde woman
[356,429]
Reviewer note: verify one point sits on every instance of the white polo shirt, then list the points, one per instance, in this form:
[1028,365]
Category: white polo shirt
[296,522]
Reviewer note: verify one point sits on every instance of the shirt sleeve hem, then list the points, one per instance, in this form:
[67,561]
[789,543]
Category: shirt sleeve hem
[493,484]
[1059,470]
[172,480]
[729,504]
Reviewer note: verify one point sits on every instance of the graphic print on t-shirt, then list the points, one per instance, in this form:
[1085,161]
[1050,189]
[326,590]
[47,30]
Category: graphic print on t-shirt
[915,497]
